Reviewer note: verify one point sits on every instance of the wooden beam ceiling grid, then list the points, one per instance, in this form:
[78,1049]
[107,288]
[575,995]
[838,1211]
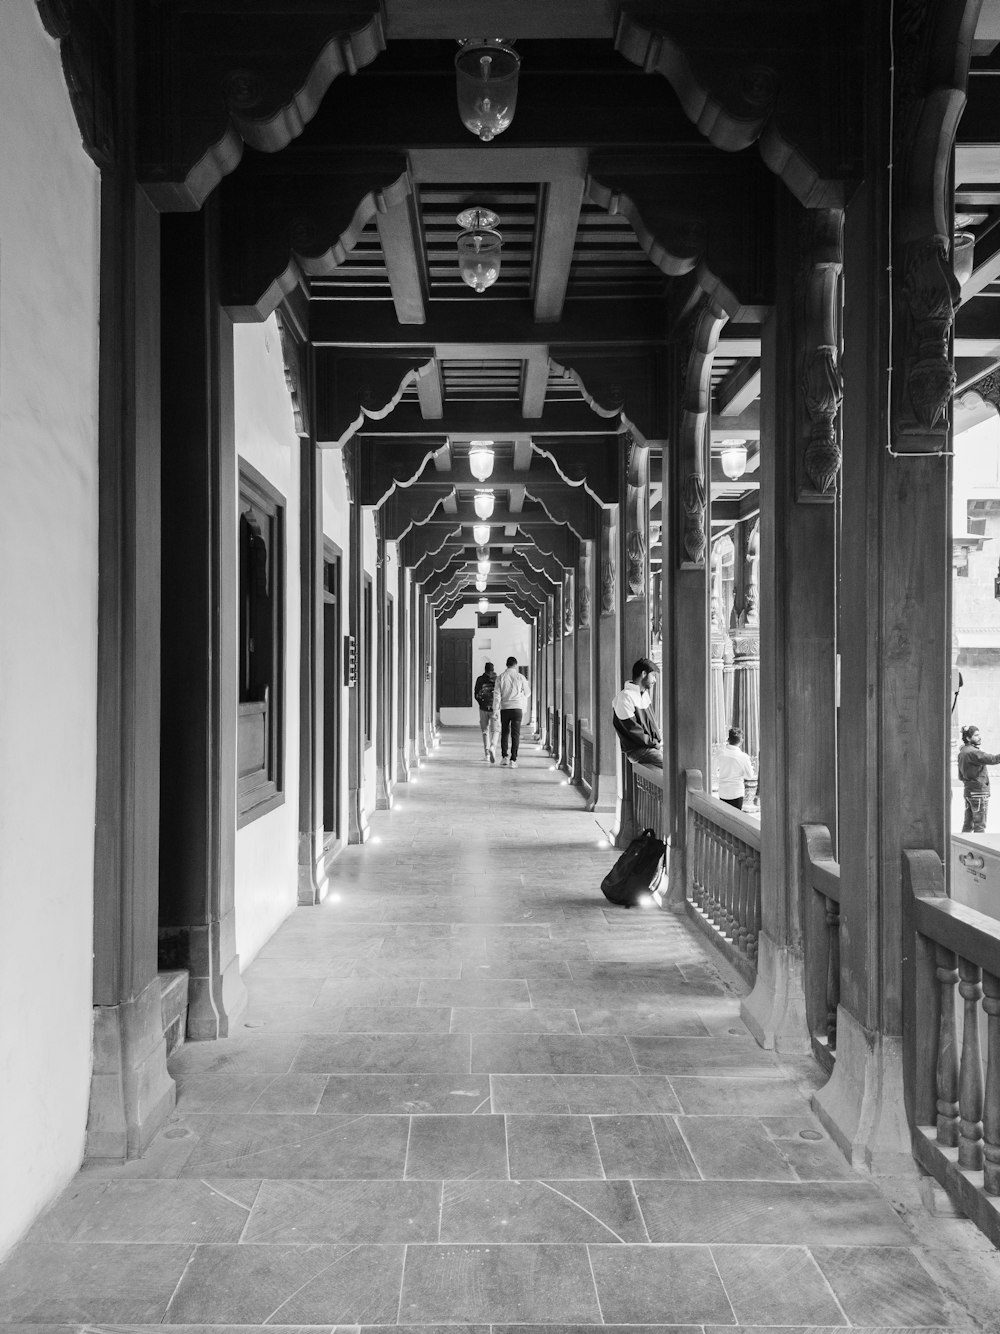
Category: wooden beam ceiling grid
[492,380]
[363,275]
[516,206]
[608,259]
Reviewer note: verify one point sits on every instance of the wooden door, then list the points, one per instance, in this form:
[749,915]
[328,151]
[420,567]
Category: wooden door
[454,664]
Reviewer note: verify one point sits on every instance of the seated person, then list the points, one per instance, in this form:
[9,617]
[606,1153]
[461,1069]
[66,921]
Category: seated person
[632,716]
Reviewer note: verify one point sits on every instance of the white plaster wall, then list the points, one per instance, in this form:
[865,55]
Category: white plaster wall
[49,243]
[512,636]
[336,517]
[267,848]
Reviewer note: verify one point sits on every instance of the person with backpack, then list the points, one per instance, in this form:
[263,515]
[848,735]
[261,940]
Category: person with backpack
[632,716]
[489,717]
[511,698]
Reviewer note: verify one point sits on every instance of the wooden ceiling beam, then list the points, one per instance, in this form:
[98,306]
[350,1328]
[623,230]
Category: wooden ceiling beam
[399,233]
[556,18]
[535,378]
[559,218]
[430,393]
[472,420]
[739,389]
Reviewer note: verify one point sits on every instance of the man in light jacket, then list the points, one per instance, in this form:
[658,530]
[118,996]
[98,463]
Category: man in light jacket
[734,767]
[511,698]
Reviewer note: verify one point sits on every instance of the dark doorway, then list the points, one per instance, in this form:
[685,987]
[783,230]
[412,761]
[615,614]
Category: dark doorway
[454,655]
[332,677]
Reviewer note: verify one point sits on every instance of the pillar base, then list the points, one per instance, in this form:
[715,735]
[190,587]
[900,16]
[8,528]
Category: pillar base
[602,795]
[862,1106]
[402,767]
[358,828]
[217,995]
[131,1093]
[383,789]
[775,1011]
[313,882]
[675,899]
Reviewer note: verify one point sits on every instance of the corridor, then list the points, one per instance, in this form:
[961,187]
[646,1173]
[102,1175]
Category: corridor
[468,1092]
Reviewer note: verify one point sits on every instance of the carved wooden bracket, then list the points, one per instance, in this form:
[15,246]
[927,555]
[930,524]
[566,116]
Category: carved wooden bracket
[609,543]
[395,466]
[353,389]
[726,250]
[583,586]
[279,231]
[821,382]
[692,446]
[214,77]
[590,464]
[85,31]
[932,45]
[743,80]
[988,388]
[294,355]
[569,620]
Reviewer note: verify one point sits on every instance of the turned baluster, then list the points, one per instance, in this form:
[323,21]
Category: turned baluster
[991,1105]
[743,866]
[970,1079]
[753,913]
[832,970]
[710,871]
[696,870]
[716,877]
[727,885]
[947,1057]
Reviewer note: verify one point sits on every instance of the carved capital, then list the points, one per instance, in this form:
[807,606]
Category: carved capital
[87,50]
[693,500]
[930,293]
[823,392]
[608,585]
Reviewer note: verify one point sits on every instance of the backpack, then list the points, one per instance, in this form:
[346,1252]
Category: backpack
[484,693]
[636,871]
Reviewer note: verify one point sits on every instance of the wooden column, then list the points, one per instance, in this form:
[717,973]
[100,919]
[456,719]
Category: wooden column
[313,882]
[895,595]
[585,639]
[796,631]
[383,703]
[568,635]
[131,1092]
[358,829]
[404,691]
[633,592]
[606,664]
[198,799]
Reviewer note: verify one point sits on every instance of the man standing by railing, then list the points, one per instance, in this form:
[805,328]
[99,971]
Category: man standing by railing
[972,764]
[632,716]
[734,767]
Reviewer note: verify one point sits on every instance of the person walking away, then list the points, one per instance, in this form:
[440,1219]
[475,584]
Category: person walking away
[734,767]
[972,764]
[489,719]
[632,716]
[511,698]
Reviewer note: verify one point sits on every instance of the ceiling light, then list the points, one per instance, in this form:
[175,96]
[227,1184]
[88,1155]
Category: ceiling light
[483,566]
[483,605]
[479,248]
[486,71]
[963,256]
[480,583]
[484,503]
[733,458]
[481,534]
[482,553]
[481,459]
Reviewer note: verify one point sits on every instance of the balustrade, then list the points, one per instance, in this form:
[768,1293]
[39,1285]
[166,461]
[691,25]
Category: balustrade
[723,874]
[647,796]
[953,999]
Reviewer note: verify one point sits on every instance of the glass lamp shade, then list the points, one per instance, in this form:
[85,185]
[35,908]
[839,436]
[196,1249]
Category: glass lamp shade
[962,256]
[484,502]
[483,566]
[481,534]
[480,583]
[481,459]
[486,71]
[479,248]
[734,458]
[483,605]
[482,553]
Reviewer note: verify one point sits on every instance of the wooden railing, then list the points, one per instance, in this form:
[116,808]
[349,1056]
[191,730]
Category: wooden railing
[953,1003]
[723,874]
[647,797]
[822,874]
[569,742]
[587,759]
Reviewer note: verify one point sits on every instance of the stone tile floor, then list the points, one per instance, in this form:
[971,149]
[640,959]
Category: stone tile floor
[470,1093]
